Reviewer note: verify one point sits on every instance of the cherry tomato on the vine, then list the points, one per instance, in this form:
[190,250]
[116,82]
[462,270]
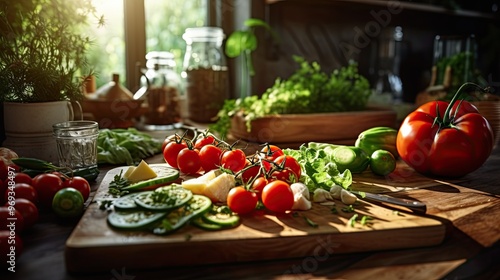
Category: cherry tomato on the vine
[286,174]
[234,160]
[277,196]
[258,186]
[210,157]
[289,162]
[272,152]
[203,141]
[22,190]
[188,161]
[171,152]
[22,178]
[28,210]
[242,201]
[250,172]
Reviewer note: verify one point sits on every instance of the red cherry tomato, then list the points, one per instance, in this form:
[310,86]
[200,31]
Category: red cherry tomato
[286,175]
[242,201]
[28,210]
[289,162]
[46,185]
[258,186]
[22,178]
[210,157]
[277,196]
[9,245]
[22,190]
[272,152]
[171,152]
[80,184]
[11,219]
[203,141]
[251,171]
[234,160]
[188,161]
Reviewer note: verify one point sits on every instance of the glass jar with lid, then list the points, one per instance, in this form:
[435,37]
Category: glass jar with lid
[205,73]
[160,88]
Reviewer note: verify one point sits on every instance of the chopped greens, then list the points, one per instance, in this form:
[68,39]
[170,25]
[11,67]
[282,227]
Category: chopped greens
[116,186]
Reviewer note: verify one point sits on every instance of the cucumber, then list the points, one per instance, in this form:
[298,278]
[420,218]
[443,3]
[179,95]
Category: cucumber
[126,203]
[378,138]
[199,222]
[164,198]
[222,216]
[350,157]
[177,218]
[136,220]
[165,176]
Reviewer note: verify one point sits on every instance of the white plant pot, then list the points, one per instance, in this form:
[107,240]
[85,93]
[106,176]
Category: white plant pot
[28,127]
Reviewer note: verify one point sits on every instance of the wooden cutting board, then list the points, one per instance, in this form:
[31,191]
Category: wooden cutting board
[94,246]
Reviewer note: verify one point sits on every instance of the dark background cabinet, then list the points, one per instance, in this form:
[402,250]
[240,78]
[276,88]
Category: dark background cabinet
[333,31]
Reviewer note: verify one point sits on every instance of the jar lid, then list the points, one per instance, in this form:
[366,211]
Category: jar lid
[162,58]
[206,33]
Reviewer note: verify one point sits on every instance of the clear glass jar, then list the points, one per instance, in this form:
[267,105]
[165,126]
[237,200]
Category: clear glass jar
[161,89]
[205,73]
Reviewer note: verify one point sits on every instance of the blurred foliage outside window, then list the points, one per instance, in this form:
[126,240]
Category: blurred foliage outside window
[166,21]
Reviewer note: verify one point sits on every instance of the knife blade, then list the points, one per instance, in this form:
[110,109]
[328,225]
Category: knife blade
[414,205]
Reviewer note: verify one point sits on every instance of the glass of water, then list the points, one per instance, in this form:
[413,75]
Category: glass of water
[76,143]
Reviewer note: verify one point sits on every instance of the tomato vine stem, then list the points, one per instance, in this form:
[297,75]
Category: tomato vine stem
[446,120]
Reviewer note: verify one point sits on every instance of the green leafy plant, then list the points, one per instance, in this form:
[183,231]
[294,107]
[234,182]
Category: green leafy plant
[308,90]
[42,49]
[245,42]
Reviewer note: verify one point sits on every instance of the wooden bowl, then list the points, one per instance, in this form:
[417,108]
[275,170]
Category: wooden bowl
[295,129]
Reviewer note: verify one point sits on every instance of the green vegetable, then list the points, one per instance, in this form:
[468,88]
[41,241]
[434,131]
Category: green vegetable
[126,203]
[125,146]
[34,166]
[117,185]
[308,90]
[166,176]
[320,170]
[68,203]
[164,198]
[382,162]
[378,138]
[222,216]
[177,218]
[136,220]
[352,158]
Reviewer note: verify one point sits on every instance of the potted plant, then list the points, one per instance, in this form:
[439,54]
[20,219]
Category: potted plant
[42,62]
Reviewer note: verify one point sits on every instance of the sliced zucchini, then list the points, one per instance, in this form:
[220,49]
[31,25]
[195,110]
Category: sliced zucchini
[177,218]
[135,220]
[221,215]
[201,223]
[164,198]
[126,203]
[165,176]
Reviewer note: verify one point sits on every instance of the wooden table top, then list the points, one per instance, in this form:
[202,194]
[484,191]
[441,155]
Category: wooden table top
[470,210]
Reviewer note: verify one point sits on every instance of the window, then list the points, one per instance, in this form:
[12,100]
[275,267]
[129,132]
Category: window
[142,25]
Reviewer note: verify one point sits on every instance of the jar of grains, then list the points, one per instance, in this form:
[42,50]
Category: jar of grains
[161,87]
[205,73]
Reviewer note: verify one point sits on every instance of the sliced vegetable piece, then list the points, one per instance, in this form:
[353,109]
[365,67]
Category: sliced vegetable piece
[198,205]
[199,222]
[165,176]
[136,220]
[352,158]
[221,215]
[164,198]
[126,203]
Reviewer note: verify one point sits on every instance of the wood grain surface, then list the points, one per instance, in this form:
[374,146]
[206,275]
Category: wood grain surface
[94,246]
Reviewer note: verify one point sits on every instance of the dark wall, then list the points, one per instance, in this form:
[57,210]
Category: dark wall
[332,32]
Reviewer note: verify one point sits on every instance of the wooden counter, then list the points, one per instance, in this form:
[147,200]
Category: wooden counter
[470,210]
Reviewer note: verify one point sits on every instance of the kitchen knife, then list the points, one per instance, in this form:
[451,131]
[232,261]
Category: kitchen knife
[414,205]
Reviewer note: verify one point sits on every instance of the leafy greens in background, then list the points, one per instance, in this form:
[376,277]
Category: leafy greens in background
[125,146]
[308,90]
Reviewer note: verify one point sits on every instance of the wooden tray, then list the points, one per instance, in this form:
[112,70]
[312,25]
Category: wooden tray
[302,128]
[94,246]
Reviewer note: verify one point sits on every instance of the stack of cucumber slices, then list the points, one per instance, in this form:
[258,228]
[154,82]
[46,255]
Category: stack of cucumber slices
[167,209]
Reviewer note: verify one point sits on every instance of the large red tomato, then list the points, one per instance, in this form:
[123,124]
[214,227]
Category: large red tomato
[437,139]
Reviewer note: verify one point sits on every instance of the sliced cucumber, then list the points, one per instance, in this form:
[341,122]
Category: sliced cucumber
[177,218]
[136,220]
[221,215]
[165,175]
[164,198]
[126,203]
[201,223]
